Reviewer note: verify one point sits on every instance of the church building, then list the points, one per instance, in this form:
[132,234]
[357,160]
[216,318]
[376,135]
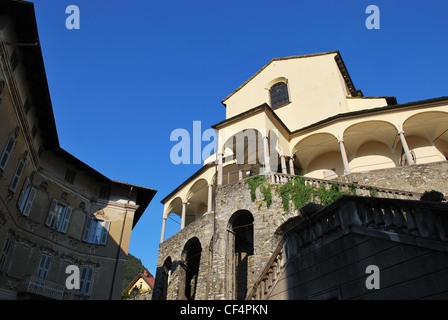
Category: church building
[300,121]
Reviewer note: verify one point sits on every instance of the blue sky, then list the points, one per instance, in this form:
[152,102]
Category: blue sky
[137,70]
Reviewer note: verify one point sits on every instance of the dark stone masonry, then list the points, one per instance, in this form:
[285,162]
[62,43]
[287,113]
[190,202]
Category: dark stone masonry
[223,254]
[414,178]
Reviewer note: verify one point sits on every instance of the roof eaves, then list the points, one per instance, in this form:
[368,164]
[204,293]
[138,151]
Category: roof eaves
[389,107]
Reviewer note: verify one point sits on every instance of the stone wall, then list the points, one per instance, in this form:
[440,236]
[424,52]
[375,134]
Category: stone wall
[267,223]
[337,270]
[414,178]
[326,257]
[216,280]
[202,229]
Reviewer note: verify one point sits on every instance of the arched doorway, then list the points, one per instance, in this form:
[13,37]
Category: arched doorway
[191,258]
[166,269]
[241,243]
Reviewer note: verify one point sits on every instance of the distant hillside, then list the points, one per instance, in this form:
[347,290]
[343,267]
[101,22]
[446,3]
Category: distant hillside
[134,266]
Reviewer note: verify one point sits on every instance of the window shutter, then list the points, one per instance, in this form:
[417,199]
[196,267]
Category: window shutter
[47,267]
[44,266]
[40,269]
[17,175]
[5,252]
[7,152]
[104,231]
[68,214]
[88,282]
[85,236]
[29,202]
[51,213]
[82,280]
[23,195]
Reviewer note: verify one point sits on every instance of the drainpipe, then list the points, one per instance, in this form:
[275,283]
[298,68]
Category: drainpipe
[119,245]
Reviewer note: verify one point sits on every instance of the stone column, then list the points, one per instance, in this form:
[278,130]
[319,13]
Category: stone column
[219,169]
[162,237]
[344,157]
[267,165]
[407,152]
[184,213]
[291,166]
[284,169]
[210,198]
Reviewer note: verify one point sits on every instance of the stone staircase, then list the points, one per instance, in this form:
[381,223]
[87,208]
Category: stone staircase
[420,223]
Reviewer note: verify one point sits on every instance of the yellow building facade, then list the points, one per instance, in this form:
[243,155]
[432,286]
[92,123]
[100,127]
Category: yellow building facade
[302,115]
[64,227]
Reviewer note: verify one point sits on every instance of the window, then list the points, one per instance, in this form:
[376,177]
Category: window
[27,106]
[26,198]
[5,252]
[44,266]
[279,94]
[85,285]
[105,193]
[7,152]
[41,150]
[70,176]
[58,216]
[96,231]
[34,131]
[14,60]
[2,84]
[17,175]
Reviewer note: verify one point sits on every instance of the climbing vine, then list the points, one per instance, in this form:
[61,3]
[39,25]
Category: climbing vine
[299,192]
[373,192]
[265,188]
[254,182]
[266,192]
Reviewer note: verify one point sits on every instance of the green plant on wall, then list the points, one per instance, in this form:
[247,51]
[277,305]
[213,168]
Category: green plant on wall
[254,182]
[297,190]
[266,192]
[373,192]
[265,188]
[327,196]
[300,192]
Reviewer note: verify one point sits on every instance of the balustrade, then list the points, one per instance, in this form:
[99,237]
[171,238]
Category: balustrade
[420,219]
[35,285]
